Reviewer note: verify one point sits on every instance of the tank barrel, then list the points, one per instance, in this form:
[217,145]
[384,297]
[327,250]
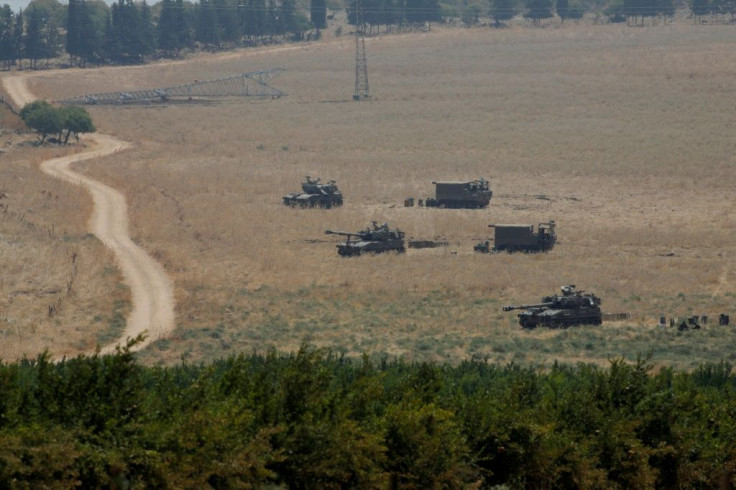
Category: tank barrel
[341,233]
[524,307]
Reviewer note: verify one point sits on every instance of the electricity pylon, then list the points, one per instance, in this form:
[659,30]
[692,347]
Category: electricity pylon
[361,65]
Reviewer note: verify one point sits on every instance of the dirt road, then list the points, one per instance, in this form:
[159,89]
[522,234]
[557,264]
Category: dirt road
[151,289]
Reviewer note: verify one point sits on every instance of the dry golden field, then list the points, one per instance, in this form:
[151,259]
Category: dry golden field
[60,289]
[623,136]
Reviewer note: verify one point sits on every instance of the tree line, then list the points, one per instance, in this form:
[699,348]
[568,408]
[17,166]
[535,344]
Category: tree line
[313,419]
[128,32]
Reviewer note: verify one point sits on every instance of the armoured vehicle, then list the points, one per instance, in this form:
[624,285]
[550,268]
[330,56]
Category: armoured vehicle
[520,238]
[472,194]
[572,307]
[374,239]
[314,193]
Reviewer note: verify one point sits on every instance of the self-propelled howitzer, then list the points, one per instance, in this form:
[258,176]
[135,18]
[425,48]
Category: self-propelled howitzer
[561,310]
[315,194]
[378,239]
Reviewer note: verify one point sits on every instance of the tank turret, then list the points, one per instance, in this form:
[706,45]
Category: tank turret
[374,239]
[572,307]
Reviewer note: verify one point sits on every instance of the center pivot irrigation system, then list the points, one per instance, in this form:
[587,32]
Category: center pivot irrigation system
[253,84]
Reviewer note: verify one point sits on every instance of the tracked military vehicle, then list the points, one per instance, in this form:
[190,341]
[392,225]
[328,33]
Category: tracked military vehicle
[374,239]
[315,194]
[520,238]
[470,194]
[572,307]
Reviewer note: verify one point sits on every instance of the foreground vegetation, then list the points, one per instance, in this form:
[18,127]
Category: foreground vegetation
[313,419]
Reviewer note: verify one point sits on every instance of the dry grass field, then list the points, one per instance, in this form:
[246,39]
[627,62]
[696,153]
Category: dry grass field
[59,289]
[623,136]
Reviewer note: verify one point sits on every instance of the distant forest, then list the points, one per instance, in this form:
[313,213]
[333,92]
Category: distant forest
[90,31]
[313,419]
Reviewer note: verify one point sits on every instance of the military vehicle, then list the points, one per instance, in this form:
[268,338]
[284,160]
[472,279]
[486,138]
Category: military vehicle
[572,307]
[315,194]
[374,239]
[472,194]
[520,238]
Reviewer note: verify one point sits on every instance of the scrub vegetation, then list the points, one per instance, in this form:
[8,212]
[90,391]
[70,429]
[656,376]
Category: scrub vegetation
[315,419]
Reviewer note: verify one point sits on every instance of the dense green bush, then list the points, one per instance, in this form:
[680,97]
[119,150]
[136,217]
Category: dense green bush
[46,119]
[313,419]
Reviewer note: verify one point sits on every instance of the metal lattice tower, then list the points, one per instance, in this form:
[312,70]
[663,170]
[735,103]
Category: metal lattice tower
[361,65]
[253,84]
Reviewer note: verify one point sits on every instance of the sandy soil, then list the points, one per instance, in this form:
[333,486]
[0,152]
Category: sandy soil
[151,289]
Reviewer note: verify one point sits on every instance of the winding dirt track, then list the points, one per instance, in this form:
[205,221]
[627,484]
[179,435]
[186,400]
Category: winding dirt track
[151,289]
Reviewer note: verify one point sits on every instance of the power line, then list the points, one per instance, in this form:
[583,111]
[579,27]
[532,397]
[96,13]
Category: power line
[361,63]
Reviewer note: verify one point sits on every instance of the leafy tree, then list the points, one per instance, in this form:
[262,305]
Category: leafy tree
[255,19]
[35,42]
[502,10]
[471,14]
[130,34]
[207,29]
[41,39]
[168,35]
[53,8]
[538,10]
[288,17]
[75,119]
[83,35]
[42,117]
[372,12]
[273,21]
[425,448]
[18,44]
[173,28]
[183,24]
[73,28]
[46,119]
[228,20]
[318,13]
[432,11]
[392,12]
[567,11]
[700,8]
[414,11]
[116,32]
[111,47]
[7,46]
[145,41]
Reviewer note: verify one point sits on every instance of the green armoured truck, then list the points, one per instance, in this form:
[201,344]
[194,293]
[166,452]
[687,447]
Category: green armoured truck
[457,194]
[520,238]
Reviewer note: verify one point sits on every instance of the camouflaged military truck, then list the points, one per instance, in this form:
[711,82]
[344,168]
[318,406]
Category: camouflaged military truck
[520,238]
[471,194]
